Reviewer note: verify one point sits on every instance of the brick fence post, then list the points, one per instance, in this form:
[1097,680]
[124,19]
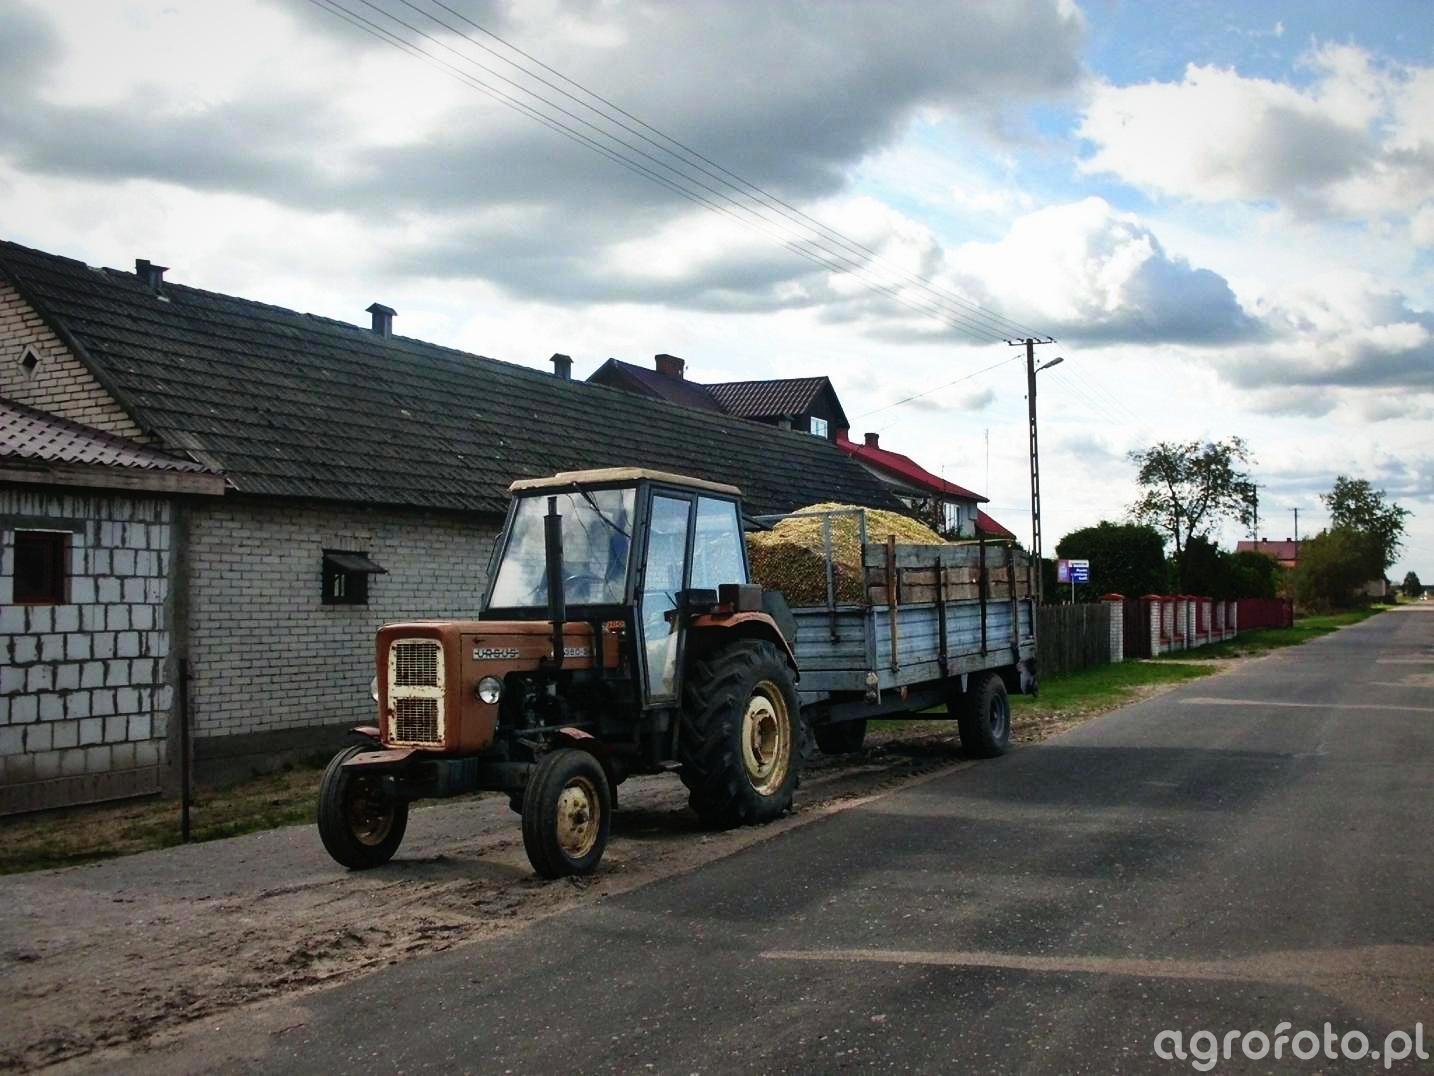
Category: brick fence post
[1117,626]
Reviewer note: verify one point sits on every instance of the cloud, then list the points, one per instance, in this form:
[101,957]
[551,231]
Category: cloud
[1085,272]
[1357,143]
[1339,332]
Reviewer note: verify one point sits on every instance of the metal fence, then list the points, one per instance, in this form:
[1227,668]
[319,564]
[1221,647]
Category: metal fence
[1266,613]
[1073,637]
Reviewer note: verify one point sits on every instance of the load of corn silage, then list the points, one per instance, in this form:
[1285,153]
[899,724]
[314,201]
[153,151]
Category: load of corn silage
[790,557]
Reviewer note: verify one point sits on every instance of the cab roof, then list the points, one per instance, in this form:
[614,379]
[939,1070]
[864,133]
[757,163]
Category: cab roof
[618,476]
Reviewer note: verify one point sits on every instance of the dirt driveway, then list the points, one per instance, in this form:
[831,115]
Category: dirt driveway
[110,954]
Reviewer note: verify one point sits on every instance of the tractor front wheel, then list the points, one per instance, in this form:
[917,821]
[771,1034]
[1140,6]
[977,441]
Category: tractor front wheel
[361,822]
[742,735]
[567,812]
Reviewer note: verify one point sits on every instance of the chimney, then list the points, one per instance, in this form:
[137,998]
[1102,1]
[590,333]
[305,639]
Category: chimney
[562,366]
[150,275]
[670,366]
[871,440]
[382,319]
[842,433]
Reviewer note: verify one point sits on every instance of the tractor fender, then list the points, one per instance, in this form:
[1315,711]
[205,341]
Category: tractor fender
[719,627]
[583,740]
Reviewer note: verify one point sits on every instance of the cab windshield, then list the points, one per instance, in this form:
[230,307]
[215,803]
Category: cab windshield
[597,529]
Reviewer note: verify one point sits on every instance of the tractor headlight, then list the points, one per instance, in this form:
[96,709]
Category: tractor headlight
[373,689]
[490,689]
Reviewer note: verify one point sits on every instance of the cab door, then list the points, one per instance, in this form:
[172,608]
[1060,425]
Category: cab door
[664,576]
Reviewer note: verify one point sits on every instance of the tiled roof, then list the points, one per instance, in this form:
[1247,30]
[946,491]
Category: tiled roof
[1286,550]
[676,390]
[989,527]
[761,399]
[905,468]
[33,435]
[295,405]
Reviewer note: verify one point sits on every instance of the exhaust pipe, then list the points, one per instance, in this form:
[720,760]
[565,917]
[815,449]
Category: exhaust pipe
[557,600]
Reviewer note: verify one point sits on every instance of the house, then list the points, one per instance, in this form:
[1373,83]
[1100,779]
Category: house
[810,404]
[806,404]
[87,606]
[350,477]
[948,508]
[1286,553]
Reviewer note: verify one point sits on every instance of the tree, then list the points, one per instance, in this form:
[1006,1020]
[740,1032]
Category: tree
[1125,558]
[1412,587]
[1355,504]
[1334,565]
[1188,488]
[1253,575]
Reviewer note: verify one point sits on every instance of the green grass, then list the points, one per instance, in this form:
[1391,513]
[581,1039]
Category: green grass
[1105,686]
[101,831]
[1263,640]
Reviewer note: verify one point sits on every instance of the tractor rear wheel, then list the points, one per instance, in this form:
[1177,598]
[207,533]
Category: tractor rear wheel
[742,734]
[841,737]
[361,822]
[567,812]
[983,715]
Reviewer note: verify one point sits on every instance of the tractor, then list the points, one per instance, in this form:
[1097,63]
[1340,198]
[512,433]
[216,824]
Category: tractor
[618,635]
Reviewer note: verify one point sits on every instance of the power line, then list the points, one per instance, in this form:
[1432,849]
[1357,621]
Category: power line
[998,321]
[938,388]
[813,251]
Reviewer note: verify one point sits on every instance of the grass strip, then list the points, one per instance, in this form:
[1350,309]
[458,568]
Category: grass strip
[1263,640]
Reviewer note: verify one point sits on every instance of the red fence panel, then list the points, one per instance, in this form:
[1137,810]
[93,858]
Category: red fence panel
[1265,613]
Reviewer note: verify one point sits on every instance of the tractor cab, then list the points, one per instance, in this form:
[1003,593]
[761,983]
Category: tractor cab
[625,545]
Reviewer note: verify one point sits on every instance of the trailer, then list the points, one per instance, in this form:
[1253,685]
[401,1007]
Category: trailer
[912,632]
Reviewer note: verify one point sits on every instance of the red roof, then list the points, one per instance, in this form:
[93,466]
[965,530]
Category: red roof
[905,468]
[988,526]
[1282,551]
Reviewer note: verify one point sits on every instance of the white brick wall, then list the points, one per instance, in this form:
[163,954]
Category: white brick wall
[84,687]
[265,654]
[60,383]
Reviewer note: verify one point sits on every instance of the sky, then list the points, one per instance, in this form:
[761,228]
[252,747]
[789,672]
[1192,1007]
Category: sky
[1222,212]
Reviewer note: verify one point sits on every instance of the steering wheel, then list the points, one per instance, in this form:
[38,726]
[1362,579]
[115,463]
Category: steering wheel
[584,581]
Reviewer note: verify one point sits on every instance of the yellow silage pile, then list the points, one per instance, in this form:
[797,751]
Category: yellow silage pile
[790,556]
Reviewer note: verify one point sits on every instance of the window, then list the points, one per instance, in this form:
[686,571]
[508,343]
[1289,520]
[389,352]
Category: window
[346,577]
[42,561]
[818,426]
[596,534]
[29,359]
[717,550]
[664,575]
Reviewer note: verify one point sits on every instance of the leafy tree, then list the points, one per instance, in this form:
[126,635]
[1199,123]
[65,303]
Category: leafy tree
[1203,570]
[1188,488]
[1412,587]
[1334,565]
[1253,575]
[1353,503]
[1125,558]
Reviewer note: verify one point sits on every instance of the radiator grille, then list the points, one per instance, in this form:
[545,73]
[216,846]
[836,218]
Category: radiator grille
[415,664]
[416,721]
[415,693]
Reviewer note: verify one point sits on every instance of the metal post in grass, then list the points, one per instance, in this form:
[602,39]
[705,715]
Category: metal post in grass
[185,766]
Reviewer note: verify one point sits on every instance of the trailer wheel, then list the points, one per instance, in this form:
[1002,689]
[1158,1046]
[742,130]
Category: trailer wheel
[360,821]
[841,737]
[567,812]
[983,715]
[742,735]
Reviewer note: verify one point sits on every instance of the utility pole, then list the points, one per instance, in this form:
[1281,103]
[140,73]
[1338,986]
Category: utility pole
[1297,524]
[1031,369]
[1255,515]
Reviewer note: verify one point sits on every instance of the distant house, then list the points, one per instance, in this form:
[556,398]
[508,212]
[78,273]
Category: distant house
[953,510]
[1285,553]
[804,404]
[256,490]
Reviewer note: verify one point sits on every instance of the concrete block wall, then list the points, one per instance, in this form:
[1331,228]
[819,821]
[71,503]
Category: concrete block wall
[59,383]
[86,687]
[273,669]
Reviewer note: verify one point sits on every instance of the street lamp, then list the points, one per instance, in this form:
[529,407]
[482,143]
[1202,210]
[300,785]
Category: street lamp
[1031,370]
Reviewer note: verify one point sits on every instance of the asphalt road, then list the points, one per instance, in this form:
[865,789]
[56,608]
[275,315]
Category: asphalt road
[1250,849]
